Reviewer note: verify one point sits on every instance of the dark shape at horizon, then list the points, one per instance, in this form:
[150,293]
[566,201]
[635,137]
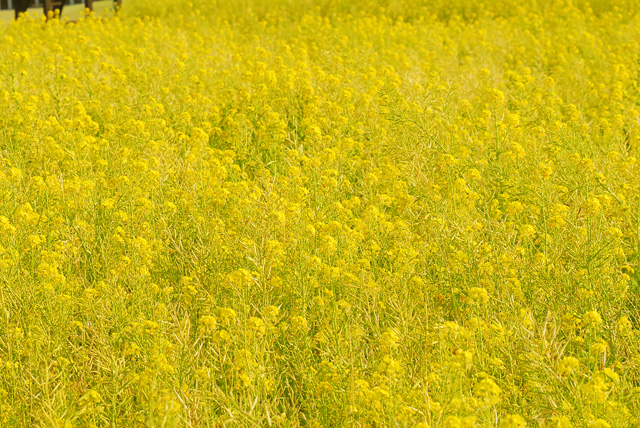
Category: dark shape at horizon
[21,6]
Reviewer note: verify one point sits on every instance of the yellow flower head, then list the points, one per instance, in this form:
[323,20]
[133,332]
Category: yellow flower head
[599,423]
[487,392]
[478,296]
[568,365]
[592,319]
[559,422]
[513,421]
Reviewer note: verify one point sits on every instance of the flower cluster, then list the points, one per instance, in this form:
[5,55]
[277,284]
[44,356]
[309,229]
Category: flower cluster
[419,213]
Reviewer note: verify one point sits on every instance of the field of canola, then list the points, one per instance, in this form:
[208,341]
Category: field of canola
[322,214]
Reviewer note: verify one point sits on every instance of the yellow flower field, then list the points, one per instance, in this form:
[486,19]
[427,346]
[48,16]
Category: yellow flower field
[298,213]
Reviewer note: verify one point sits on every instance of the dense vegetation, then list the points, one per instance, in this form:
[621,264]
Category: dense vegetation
[322,214]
